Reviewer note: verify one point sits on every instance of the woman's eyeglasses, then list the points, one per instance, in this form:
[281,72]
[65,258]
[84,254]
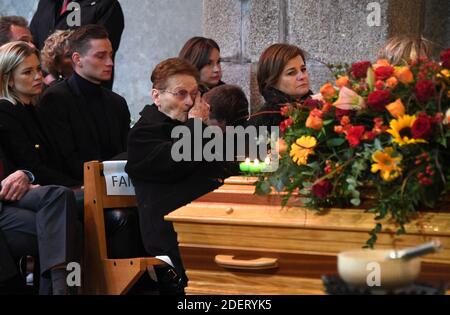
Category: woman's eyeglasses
[182,94]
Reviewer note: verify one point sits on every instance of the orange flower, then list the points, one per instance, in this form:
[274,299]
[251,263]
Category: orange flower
[281,146]
[392,82]
[404,75]
[314,122]
[396,109]
[342,81]
[328,91]
[381,63]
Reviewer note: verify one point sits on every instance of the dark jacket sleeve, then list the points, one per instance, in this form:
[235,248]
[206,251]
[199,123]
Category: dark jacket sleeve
[58,122]
[150,154]
[21,151]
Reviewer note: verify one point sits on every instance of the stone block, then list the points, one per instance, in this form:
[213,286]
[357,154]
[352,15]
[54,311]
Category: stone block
[222,22]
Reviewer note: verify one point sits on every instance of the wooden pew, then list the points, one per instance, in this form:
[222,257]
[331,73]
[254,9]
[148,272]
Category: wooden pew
[101,274]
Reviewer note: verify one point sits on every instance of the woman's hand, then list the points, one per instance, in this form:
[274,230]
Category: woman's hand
[200,109]
[15,186]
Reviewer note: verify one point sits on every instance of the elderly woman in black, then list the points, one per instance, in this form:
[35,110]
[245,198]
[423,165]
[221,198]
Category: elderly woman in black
[204,54]
[47,214]
[282,78]
[162,181]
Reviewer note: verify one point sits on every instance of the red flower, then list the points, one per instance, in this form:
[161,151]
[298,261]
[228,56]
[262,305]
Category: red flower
[422,127]
[369,136]
[322,188]
[343,112]
[384,72]
[379,85]
[378,100]
[445,58]
[286,124]
[424,90]
[359,69]
[285,110]
[354,135]
[312,103]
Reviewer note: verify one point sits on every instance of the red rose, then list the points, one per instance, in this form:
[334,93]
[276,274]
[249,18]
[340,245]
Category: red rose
[359,69]
[322,189]
[339,113]
[286,124]
[285,110]
[354,135]
[422,127]
[384,72]
[378,100]
[445,58]
[311,103]
[424,90]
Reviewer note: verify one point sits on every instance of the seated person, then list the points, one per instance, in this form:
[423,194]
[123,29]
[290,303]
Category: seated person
[282,78]
[87,122]
[14,28]
[161,183]
[400,50]
[204,54]
[23,133]
[228,106]
[56,59]
[39,221]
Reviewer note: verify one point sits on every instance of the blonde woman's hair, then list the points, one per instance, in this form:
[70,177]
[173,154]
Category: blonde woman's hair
[55,47]
[11,56]
[402,49]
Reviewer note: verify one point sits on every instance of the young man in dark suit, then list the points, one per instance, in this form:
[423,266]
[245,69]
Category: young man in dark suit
[52,15]
[87,121]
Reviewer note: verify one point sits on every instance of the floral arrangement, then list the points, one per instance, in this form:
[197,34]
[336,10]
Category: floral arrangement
[377,126]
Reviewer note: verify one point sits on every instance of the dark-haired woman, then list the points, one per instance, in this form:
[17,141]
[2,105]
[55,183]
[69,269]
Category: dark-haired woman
[204,54]
[282,78]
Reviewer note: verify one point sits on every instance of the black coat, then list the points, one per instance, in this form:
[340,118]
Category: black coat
[163,185]
[26,142]
[103,12]
[72,126]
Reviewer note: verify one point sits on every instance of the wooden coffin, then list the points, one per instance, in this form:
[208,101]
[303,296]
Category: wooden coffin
[233,242]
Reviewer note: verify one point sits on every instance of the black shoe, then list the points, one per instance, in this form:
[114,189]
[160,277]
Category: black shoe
[169,282]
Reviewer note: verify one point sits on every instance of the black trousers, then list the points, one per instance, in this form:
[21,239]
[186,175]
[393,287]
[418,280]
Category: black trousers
[43,224]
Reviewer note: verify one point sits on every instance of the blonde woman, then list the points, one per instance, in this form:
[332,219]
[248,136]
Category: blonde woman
[400,50]
[40,221]
[23,133]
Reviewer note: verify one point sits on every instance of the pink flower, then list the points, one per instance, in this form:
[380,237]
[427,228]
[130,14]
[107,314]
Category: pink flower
[349,100]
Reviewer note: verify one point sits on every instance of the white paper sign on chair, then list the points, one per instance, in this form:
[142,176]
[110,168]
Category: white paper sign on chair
[117,181]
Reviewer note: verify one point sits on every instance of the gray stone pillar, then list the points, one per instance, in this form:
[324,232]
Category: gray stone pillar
[330,31]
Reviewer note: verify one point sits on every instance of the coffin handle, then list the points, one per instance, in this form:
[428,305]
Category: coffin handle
[263,263]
